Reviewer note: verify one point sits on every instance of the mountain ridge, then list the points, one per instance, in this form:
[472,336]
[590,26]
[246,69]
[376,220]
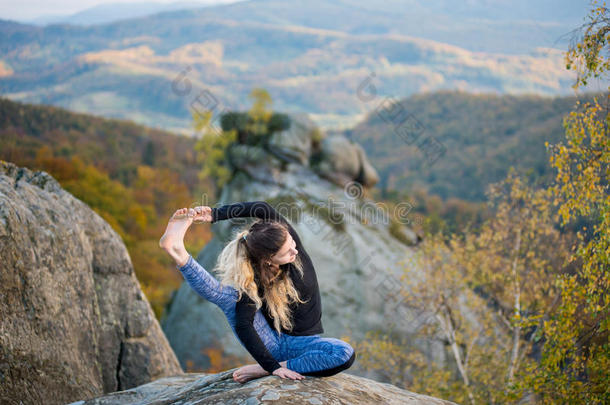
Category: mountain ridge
[132,68]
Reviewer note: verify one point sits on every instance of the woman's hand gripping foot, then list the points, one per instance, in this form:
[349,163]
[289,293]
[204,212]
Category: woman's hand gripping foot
[172,240]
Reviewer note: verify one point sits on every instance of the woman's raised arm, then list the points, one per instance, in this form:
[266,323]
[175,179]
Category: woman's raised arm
[257,209]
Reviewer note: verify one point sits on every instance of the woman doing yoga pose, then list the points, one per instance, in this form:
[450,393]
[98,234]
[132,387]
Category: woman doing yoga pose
[267,278]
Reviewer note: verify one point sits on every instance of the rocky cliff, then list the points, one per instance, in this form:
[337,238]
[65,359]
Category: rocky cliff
[74,322]
[220,389]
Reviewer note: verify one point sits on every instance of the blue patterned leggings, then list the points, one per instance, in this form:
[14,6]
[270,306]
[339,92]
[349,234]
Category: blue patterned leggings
[307,355]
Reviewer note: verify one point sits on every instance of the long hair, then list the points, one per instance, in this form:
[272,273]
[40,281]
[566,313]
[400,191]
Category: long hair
[242,264]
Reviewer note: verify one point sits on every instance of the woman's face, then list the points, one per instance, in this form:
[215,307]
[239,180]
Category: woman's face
[287,253]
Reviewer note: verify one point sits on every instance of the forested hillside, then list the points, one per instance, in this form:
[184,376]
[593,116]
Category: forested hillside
[481,136]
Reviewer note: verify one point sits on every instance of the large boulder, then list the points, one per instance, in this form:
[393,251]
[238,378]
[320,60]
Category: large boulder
[335,157]
[294,143]
[220,389]
[342,161]
[74,322]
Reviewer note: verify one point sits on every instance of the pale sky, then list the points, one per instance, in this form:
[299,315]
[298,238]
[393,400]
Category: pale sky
[26,10]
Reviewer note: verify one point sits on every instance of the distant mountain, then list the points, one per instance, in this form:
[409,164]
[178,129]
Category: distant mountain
[498,26]
[312,57]
[105,13]
[454,144]
[513,26]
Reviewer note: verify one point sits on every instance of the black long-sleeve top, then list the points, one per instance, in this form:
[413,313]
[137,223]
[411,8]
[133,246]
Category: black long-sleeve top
[306,317]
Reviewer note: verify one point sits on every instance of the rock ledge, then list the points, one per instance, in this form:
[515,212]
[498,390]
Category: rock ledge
[196,388]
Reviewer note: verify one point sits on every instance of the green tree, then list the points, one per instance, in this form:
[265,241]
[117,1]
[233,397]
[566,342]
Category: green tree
[259,114]
[236,128]
[211,150]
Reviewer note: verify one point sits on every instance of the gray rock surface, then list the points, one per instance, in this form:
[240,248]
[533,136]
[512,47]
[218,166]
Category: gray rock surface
[220,389]
[74,322]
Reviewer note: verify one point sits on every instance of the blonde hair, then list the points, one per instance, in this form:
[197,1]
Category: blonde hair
[243,270]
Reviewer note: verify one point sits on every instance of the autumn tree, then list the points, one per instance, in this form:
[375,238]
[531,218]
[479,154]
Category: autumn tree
[588,56]
[486,293]
[576,355]
[440,288]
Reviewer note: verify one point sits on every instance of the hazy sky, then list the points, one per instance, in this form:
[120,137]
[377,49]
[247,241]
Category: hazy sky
[25,10]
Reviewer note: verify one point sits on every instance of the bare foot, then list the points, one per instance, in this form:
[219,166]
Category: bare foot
[249,372]
[172,240]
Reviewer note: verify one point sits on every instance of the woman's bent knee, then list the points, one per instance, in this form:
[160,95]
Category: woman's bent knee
[347,352]
[335,370]
[350,361]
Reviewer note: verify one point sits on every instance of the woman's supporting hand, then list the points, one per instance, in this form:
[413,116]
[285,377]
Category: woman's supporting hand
[287,373]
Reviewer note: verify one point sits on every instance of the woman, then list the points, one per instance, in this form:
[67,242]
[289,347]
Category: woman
[267,278]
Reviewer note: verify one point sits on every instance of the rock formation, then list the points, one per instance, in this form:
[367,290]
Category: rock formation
[220,389]
[74,322]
